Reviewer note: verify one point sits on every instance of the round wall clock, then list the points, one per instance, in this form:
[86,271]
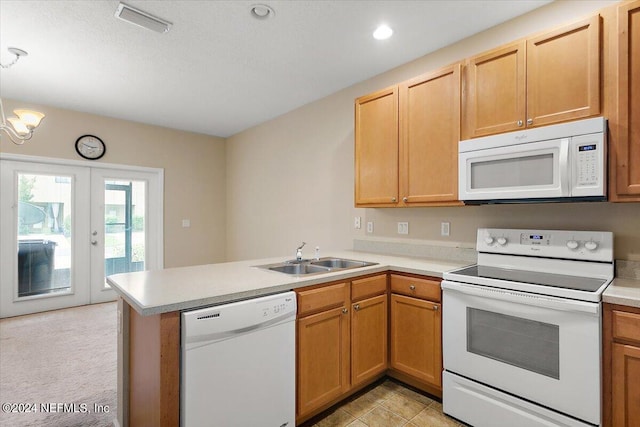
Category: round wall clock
[90,147]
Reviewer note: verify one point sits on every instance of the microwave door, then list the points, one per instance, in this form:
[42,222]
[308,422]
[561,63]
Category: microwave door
[522,171]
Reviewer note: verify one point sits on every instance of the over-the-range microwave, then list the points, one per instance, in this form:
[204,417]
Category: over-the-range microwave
[563,162]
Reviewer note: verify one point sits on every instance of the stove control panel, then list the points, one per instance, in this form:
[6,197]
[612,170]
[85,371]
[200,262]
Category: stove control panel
[580,245]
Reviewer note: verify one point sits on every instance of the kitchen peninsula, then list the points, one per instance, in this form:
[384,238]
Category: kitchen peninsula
[150,303]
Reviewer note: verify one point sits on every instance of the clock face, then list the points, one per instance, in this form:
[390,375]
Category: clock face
[90,147]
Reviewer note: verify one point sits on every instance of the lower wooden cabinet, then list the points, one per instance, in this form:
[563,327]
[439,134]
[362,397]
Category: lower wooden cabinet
[621,391]
[416,332]
[346,331]
[323,347]
[369,330]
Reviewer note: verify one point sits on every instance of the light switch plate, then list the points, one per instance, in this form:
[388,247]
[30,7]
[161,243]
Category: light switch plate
[403,228]
[445,228]
[186,223]
[356,223]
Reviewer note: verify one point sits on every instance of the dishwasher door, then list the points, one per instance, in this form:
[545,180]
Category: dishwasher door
[238,364]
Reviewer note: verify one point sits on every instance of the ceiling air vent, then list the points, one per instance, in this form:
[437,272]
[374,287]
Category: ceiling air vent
[142,19]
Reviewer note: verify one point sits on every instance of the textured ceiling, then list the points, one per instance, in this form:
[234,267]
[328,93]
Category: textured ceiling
[219,71]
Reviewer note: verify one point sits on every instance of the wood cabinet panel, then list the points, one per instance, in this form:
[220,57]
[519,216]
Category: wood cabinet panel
[416,287]
[626,385]
[416,338]
[625,144]
[495,91]
[323,362]
[563,74]
[322,298]
[368,339]
[368,287]
[626,326]
[429,135]
[376,148]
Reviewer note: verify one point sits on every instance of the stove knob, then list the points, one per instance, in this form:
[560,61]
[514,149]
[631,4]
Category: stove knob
[591,245]
[572,244]
[502,241]
[488,240]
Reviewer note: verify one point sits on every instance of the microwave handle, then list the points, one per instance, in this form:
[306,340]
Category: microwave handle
[564,167]
[522,298]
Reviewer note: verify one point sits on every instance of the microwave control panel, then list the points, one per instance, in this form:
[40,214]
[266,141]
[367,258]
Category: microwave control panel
[587,164]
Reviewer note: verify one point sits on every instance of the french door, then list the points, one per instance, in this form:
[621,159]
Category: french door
[64,227]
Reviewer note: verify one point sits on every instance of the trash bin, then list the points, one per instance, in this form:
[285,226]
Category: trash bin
[35,266]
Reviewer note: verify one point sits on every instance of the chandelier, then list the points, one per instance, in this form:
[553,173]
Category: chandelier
[19,128]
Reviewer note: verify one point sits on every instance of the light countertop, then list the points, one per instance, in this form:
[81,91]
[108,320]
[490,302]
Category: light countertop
[623,292]
[184,288]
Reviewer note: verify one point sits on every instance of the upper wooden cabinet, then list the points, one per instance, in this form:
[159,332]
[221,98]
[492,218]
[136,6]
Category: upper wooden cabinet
[406,141]
[624,140]
[551,78]
[429,135]
[376,148]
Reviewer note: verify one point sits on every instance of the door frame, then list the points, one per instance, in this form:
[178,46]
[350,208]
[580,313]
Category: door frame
[155,191]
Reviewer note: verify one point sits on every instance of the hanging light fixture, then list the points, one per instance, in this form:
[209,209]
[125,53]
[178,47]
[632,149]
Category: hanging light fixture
[20,128]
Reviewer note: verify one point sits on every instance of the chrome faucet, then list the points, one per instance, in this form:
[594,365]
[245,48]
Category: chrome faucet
[299,251]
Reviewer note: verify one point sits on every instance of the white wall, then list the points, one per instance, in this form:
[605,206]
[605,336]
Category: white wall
[291,179]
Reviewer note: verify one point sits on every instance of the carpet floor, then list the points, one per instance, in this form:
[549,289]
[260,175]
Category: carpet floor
[58,368]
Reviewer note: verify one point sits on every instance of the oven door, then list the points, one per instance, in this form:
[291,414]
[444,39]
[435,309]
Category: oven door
[519,171]
[539,348]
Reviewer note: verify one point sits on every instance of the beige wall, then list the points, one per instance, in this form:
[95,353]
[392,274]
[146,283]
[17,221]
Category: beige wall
[291,179]
[194,172]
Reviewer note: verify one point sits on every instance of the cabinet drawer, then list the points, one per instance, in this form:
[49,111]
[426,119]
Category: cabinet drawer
[368,287]
[626,326]
[322,298]
[418,288]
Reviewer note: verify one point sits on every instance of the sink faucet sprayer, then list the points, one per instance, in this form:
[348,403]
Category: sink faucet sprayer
[299,251]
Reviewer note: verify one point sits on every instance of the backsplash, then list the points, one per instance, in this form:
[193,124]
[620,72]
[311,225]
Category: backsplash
[626,269]
[416,248]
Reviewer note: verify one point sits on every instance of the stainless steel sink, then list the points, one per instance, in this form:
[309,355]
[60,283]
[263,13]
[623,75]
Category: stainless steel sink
[299,269]
[334,263]
[319,266]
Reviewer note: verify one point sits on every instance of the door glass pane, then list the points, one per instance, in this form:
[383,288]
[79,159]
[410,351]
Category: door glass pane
[527,344]
[44,234]
[521,172]
[124,226]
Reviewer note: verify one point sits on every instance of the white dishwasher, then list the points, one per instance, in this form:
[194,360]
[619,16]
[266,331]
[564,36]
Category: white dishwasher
[238,364]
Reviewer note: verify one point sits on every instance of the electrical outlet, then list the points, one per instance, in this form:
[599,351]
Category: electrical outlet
[370,227]
[186,223]
[356,223]
[445,228]
[403,228]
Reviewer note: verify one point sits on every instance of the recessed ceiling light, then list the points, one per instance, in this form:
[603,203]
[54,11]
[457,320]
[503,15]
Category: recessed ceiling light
[383,32]
[262,11]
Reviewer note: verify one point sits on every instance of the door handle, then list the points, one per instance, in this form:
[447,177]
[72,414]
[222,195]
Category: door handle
[94,242]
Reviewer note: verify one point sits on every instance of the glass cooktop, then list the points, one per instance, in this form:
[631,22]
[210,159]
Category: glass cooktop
[586,284]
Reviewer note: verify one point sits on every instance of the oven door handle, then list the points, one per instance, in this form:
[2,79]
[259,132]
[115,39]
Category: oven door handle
[523,298]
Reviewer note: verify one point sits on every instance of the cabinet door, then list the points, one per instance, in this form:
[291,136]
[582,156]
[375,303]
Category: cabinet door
[376,149]
[626,385]
[323,358]
[368,338]
[495,90]
[429,135]
[626,147]
[563,74]
[416,338]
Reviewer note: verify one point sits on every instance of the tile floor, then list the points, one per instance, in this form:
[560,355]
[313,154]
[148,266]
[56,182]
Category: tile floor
[387,404]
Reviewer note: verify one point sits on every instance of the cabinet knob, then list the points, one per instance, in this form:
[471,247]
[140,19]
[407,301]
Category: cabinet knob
[393,199]
[436,308]
[356,307]
[520,123]
[345,311]
[405,199]
[412,287]
[529,121]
